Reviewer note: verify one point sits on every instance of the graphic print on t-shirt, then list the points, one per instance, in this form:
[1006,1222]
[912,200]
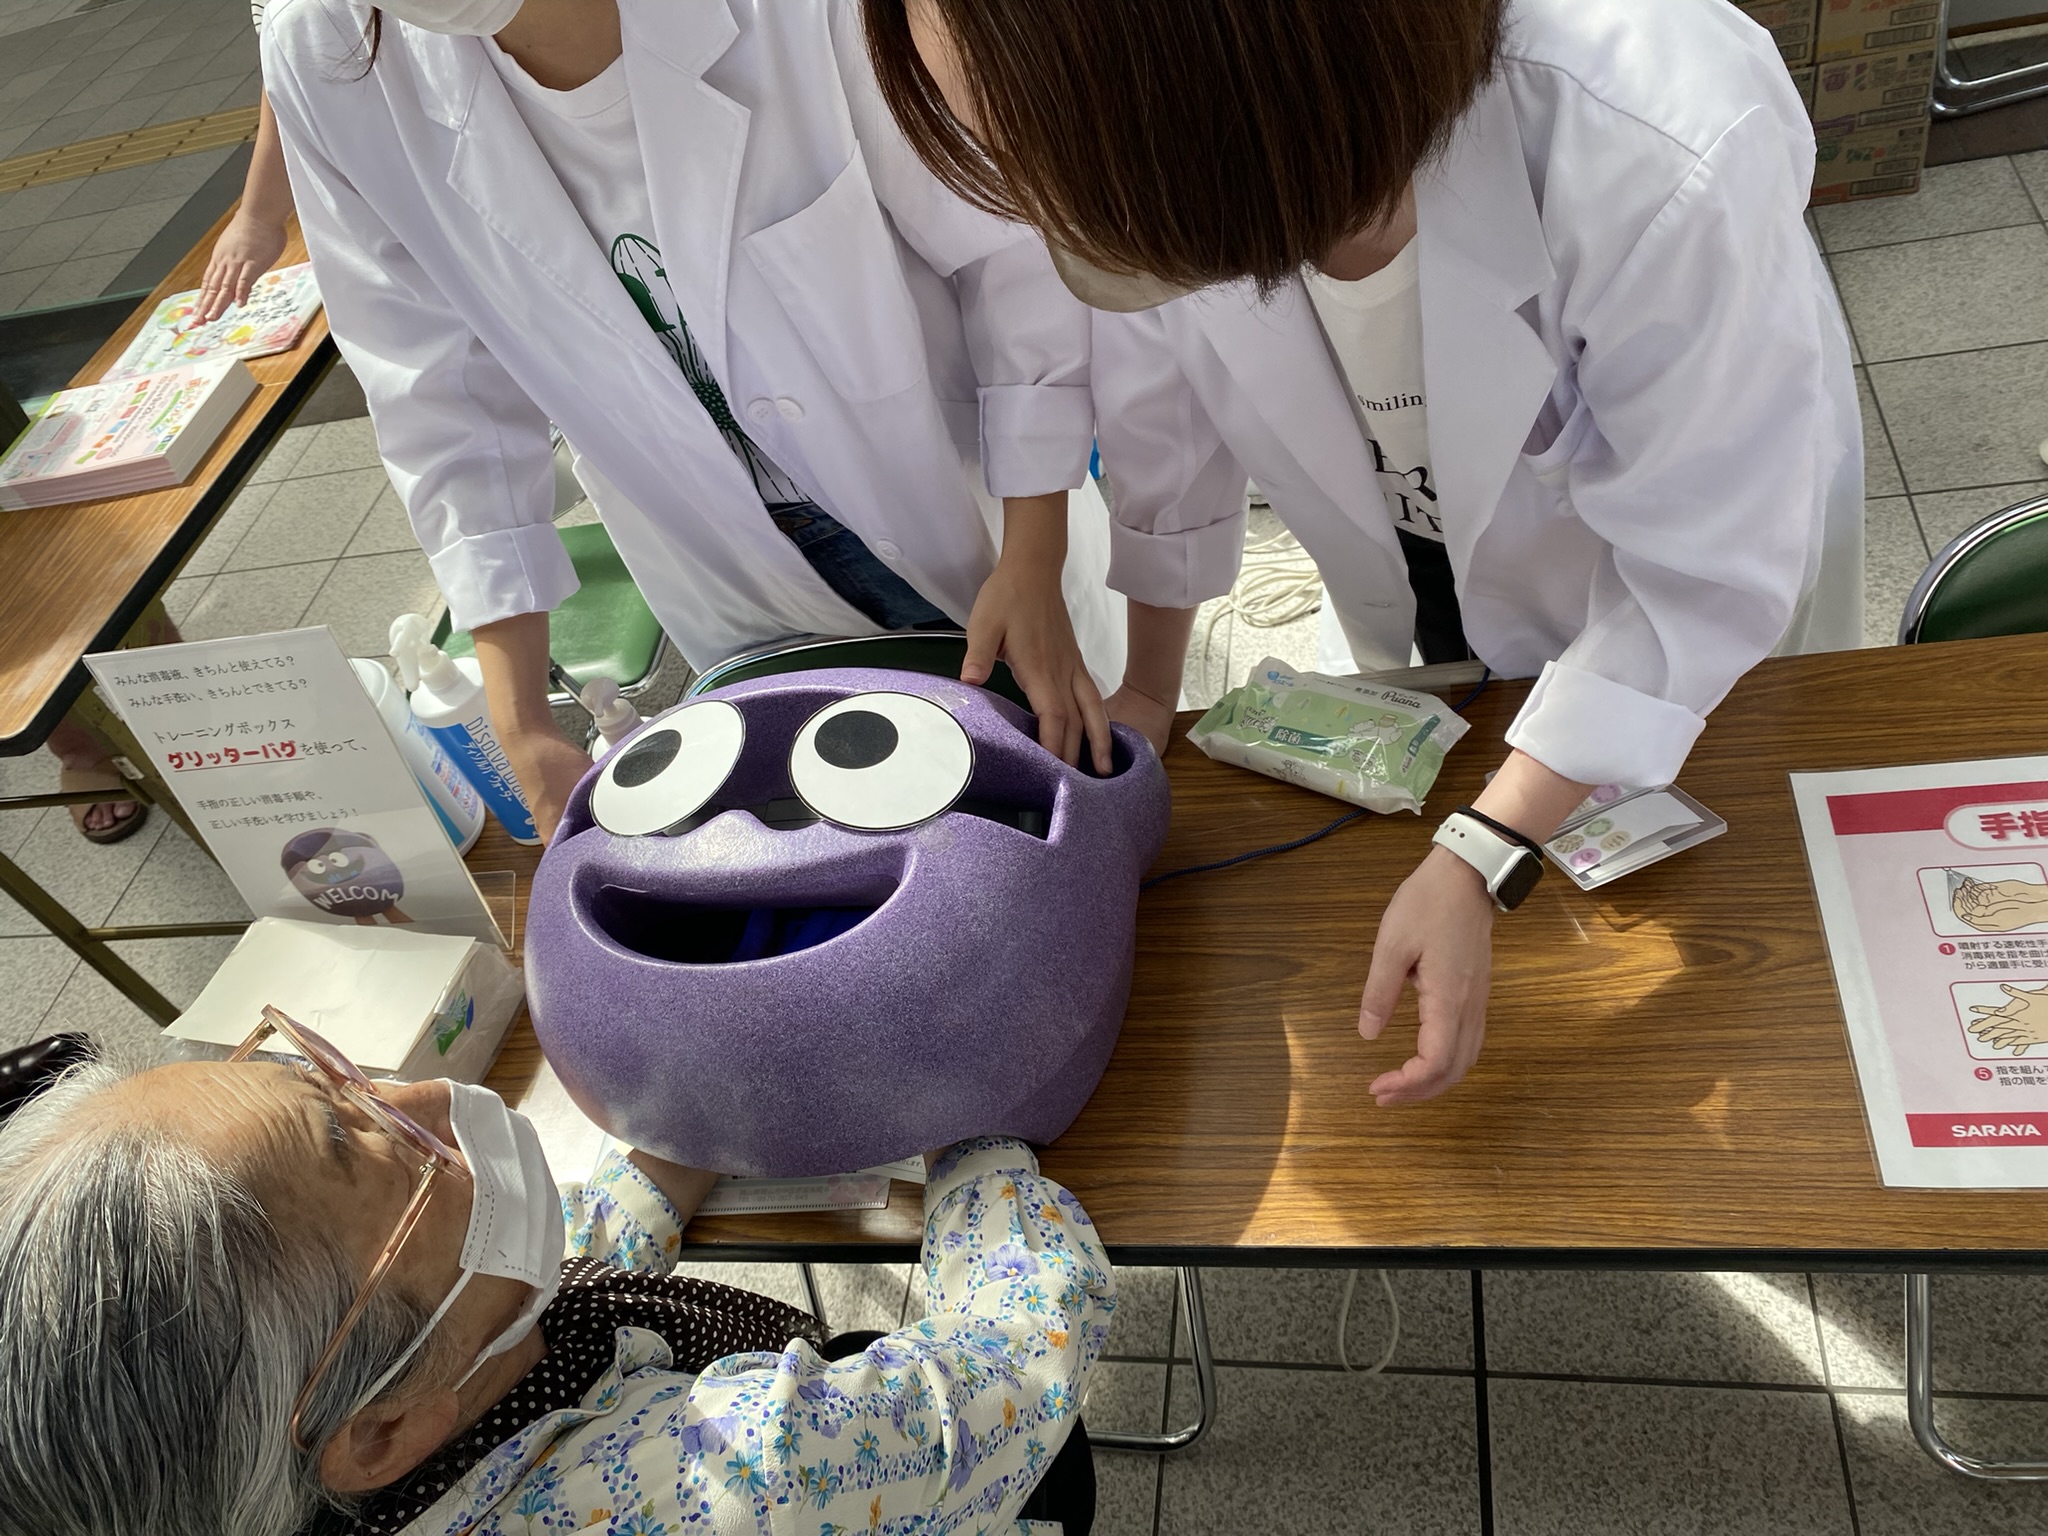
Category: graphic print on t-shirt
[1411,498]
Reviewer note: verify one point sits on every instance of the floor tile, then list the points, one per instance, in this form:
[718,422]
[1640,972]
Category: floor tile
[1881,475]
[2033,174]
[1126,1493]
[1955,294]
[1595,1459]
[182,594]
[192,101]
[86,879]
[1146,1300]
[34,773]
[1974,419]
[862,1296]
[387,530]
[1125,1396]
[284,455]
[15,829]
[89,1004]
[180,883]
[1676,1327]
[1945,514]
[130,228]
[33,205]
[366,593]
[1289,1316]
[340,445]
[126,116]
[228,530]
[1900,1491]
[1300,1451]
[254,602]
[1894,555]
[104,191]
[79,279]
[51,243]
[16,287]
[32,972]
[1953,200]
[780,1281]
[56,132]
[310,519]
[1990,1333]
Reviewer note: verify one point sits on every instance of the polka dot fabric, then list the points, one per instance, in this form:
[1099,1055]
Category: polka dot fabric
[701,1321]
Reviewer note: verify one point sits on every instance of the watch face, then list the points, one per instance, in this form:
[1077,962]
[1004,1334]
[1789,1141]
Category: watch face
[1519,881]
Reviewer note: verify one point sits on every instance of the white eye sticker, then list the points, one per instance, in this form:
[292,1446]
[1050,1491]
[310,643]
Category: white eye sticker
[881,762]
[670,771]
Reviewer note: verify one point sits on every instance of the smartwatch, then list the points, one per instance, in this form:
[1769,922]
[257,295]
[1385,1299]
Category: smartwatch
[1508,862]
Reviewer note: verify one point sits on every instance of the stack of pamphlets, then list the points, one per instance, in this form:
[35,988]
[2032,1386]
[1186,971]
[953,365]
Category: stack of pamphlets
[116,438]
[281,304]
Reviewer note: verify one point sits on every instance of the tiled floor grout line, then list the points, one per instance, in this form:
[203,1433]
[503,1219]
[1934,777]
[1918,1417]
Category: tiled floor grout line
[1827,1374]
[1928,357]
[1891,448]
[1482,1407]
[1961,234]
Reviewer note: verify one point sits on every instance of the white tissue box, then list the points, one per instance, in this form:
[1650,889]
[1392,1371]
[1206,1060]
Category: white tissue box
[396,1003]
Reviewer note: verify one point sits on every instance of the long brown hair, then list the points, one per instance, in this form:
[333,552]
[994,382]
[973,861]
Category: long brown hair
[1198,141]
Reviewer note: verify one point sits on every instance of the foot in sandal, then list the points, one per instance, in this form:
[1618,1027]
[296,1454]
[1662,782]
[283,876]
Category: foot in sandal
[108,821]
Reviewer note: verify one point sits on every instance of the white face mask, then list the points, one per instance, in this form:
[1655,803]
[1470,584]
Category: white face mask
[515,1219]
[463,18]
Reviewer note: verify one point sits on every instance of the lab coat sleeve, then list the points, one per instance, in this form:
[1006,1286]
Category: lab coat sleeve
[1177,493]
[1027,337]
[1702,373]
[465,449]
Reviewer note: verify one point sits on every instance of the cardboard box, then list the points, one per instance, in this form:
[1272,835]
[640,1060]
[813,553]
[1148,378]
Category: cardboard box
[1791,24]
[1869,162]
[1872,90]
[1850,27]
[1803,81]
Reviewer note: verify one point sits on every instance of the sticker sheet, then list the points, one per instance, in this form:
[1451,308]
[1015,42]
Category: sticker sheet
[1933,887]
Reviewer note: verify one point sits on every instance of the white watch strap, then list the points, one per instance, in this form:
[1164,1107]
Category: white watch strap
[1481,847]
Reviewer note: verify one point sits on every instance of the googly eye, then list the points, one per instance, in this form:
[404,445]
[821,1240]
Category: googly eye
[316,867]
[881,762]
[670,771]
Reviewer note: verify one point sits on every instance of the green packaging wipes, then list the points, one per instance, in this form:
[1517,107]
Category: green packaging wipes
[1374,746]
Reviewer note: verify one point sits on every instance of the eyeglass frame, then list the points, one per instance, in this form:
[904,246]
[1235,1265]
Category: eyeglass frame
[437,1158]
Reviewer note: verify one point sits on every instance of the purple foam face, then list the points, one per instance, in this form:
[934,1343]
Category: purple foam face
[966,976]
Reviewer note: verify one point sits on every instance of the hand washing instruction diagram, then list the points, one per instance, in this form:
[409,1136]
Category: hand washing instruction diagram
[1933,886]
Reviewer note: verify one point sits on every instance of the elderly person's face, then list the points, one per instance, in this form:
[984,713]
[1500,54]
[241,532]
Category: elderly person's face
[322,1167]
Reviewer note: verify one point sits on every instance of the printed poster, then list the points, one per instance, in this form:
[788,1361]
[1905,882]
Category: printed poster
[280,759]
[1933,886]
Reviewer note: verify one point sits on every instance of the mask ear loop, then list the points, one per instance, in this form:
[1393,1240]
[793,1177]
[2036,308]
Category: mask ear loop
[370,1394]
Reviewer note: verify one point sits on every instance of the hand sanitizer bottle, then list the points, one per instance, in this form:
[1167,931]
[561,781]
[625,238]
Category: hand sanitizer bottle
[448,700]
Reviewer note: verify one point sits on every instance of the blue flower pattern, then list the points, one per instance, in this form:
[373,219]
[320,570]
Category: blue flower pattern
[944,1426]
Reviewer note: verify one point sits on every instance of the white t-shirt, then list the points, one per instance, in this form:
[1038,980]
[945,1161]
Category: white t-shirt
[1375,329]
[588,139]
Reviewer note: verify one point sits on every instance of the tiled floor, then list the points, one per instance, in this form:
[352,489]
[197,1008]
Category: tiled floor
[1599,1404]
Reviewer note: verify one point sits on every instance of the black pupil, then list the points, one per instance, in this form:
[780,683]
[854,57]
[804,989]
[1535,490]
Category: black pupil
[646,758]
[860,738]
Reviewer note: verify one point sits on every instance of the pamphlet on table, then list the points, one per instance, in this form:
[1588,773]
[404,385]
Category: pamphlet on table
[282,762]
[1933,886]
[281,304]
[114,439]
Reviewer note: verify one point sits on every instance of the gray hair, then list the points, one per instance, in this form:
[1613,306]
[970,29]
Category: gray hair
[155,1328]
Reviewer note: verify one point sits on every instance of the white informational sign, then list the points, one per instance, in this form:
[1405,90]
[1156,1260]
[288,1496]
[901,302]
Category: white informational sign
[1933,886]
[280,759]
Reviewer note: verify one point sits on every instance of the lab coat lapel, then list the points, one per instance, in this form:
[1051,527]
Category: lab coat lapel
[692,140]
[497,169]
[1486,372]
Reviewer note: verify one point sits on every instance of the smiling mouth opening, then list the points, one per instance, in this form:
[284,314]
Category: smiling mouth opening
[683,933]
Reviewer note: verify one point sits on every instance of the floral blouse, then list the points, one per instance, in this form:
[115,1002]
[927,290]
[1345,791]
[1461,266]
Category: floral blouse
[944,1426]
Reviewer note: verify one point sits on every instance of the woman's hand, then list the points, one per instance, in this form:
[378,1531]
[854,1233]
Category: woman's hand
[1438,929]
[1143,714]
[1020,616]
[247,248]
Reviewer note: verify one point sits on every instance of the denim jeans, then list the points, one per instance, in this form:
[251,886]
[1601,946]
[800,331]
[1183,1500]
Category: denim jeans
[851,569]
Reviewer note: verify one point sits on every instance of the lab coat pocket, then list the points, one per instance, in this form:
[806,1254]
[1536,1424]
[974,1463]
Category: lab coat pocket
[1551,463]
[835,270]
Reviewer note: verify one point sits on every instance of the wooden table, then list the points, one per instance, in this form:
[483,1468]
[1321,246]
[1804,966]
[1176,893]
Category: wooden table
[1666,1081]
[79,576]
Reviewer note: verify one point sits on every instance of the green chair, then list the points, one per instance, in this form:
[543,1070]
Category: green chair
[1992,579]
[605,629]
[938,653]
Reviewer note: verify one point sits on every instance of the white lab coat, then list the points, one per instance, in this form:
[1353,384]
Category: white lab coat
[872,332]
[1642,415]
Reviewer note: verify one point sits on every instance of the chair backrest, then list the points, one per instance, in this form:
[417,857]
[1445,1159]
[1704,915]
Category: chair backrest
[1992,579]
[604,628]
[938,653]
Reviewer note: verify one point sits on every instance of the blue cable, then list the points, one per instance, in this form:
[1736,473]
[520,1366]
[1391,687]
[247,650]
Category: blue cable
[1300,842]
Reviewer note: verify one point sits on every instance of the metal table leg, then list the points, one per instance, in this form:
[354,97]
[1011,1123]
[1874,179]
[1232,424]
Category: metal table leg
[1205,1384]
[1960,95]
[812,1295]
[1920,1398]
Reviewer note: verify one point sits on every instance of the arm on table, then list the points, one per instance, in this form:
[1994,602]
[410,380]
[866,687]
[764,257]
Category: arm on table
[255,236]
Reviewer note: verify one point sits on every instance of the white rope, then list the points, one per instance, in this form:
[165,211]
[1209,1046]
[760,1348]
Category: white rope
[1344,1325]
[1277,584]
